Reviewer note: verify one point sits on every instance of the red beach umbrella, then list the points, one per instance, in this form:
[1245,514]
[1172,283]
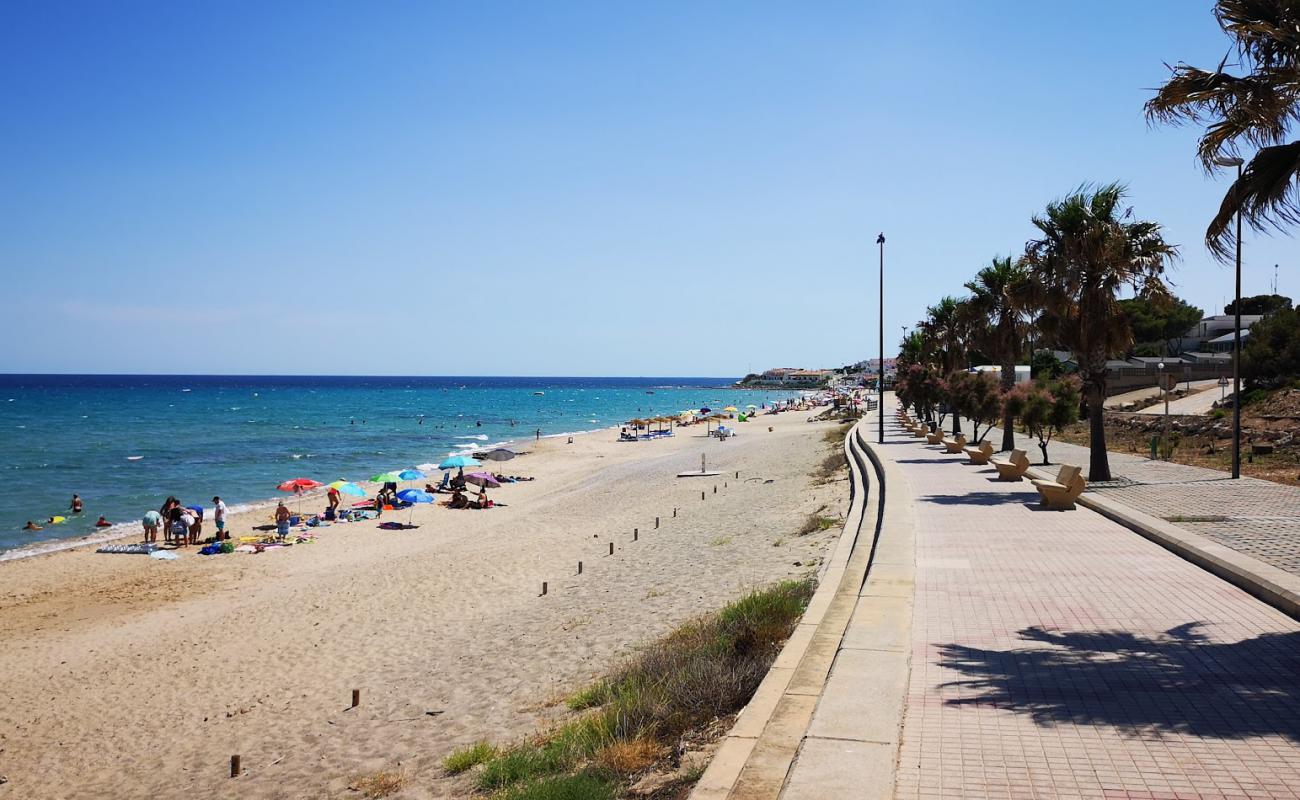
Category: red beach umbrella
[298,486]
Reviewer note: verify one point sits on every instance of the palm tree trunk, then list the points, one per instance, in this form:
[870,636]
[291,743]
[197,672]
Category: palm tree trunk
[1098,463]
[1008,420]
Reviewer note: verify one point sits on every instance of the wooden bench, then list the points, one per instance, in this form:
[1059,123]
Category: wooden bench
[980,455]
[920,430]
[934,438]
[955,446]
[1062,492]
[1013,467]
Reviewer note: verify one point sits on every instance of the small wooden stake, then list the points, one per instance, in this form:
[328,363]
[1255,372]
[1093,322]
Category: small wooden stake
[543,588]
[656,523]
[701,495]
[737,474]
[715,488]
[579,567]
[235,767]
[674,513]
[356,697]
[611,548]
[636,532]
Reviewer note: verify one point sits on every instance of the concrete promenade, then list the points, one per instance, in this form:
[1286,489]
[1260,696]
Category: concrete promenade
[1256,517]
[1060,655]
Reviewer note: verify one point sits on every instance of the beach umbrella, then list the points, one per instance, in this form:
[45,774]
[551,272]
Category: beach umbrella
[499,454]
[413,496]
[484,479]
[411,475]
[751,405]
[348,487]
[459,462]
[298,486]
[730,409]
[386,477]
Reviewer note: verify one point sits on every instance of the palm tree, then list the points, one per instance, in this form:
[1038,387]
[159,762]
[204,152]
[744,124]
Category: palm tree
[1256,108]
[945,324]
[997,306]
[1091,249]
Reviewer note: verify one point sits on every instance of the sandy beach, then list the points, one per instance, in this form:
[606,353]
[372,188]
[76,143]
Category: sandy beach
[129,677]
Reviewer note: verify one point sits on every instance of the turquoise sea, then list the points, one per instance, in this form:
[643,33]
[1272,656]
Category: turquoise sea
[126,442]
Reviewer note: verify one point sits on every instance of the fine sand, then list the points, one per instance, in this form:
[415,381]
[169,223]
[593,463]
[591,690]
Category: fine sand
[124,676]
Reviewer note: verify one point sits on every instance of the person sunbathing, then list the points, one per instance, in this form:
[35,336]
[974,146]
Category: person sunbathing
[458,500]
[483,501]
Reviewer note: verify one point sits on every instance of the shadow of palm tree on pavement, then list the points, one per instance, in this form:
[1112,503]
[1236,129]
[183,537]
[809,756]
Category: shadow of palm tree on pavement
[1176,682]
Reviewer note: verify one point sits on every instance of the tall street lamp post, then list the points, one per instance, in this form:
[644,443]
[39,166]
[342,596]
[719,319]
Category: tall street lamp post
[880,406]
[1233,161]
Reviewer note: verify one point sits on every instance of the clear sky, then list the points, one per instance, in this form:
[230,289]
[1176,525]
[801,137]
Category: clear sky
[550,188]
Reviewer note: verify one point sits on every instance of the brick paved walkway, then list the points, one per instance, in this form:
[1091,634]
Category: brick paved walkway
[1256,517]
[1059,655]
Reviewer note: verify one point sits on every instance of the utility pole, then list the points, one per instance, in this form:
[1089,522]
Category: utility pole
[880,406]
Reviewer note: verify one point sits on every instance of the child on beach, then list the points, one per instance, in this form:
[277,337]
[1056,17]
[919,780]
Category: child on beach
[152,520]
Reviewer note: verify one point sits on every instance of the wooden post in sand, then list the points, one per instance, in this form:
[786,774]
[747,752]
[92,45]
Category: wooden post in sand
[701,495]
[656,523]
[636,532]
[235,767]
[356,697]
[579,567]
[737,474]
[543,589]
[611,548]
[674,513]
[715,488]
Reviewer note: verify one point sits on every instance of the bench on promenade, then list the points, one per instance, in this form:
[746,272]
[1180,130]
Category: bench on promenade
[955,446]
[934,438]
[1062,492]
[920,430]
[1013,467]
[980,455]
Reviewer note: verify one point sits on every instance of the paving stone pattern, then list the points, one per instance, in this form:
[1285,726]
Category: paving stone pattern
[1256,517]
[1060,655]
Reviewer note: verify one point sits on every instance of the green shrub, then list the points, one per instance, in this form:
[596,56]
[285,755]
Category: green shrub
[583,786]
[468,757]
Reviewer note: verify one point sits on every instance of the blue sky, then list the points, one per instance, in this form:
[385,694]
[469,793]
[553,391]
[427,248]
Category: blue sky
[558,188]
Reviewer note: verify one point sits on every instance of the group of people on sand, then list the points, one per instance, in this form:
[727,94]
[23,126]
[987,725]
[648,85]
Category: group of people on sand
[182,525]
[75,507]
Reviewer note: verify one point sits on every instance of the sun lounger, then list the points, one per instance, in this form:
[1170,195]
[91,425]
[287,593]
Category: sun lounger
[955,446]
[980,455]
[1062,492]
[1013,467]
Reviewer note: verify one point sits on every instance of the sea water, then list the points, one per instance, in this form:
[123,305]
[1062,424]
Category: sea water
[124,443]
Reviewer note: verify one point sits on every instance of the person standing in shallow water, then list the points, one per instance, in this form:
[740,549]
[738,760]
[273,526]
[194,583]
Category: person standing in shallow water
[76,504]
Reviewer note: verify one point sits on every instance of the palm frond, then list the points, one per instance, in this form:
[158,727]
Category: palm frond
[1267,195]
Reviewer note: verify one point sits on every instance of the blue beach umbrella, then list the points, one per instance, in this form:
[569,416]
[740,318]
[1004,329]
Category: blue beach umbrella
[413,496]
[411,475]
[459,462]
[348,487]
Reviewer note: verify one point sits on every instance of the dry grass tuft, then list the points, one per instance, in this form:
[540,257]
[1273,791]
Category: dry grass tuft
[381,784]
[628,757]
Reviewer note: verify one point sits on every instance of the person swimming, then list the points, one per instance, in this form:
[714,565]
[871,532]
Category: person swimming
[103,523]
[32,526]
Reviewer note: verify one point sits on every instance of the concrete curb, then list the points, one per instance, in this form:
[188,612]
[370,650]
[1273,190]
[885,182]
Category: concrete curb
[1274,586]
[755,756]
